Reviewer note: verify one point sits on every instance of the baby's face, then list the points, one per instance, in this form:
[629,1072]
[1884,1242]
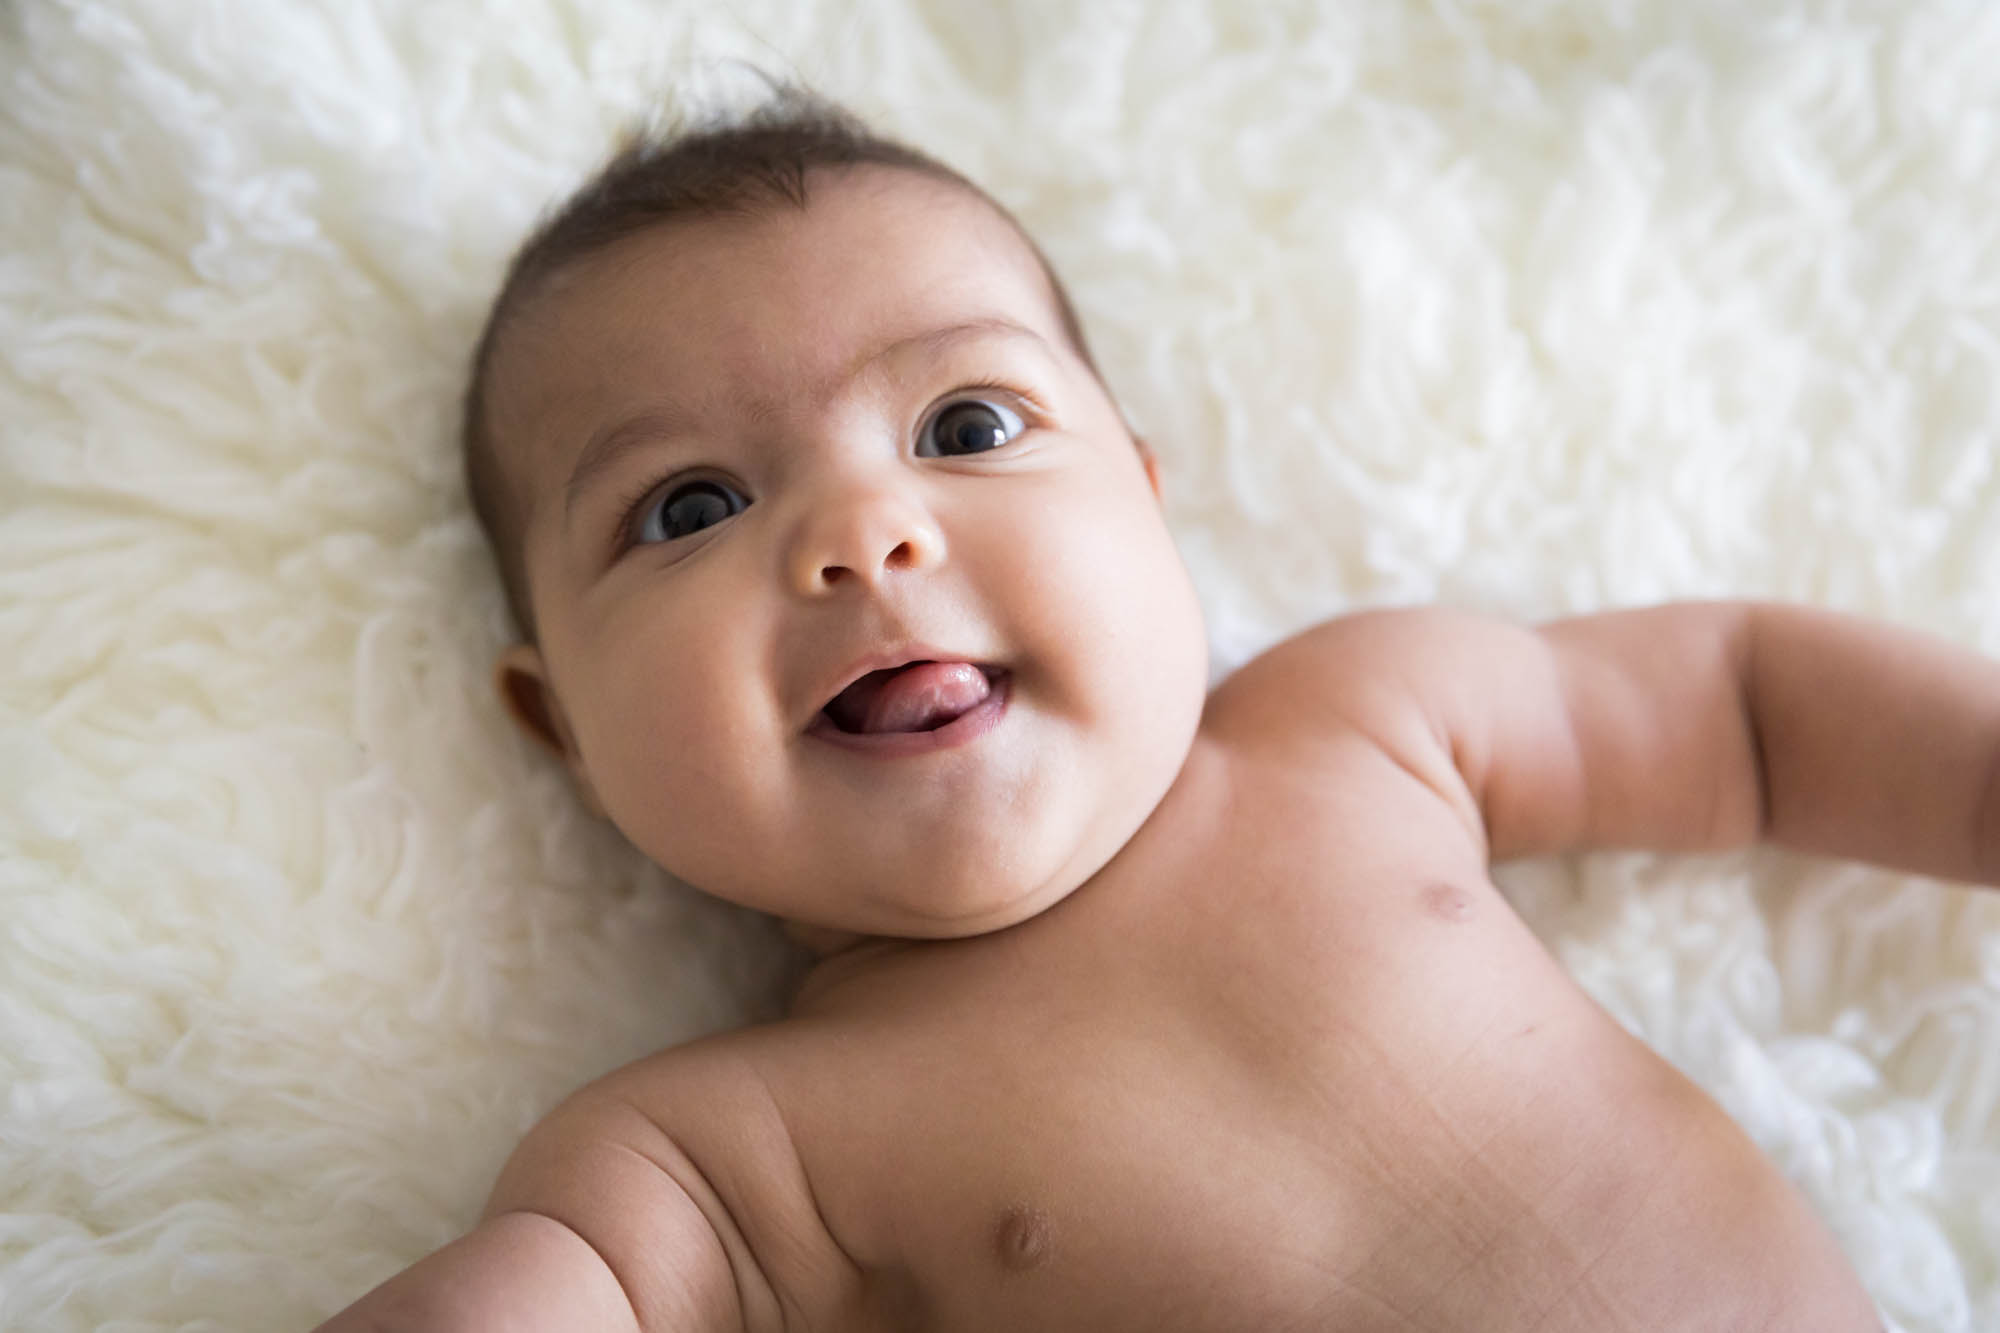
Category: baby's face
[768,456]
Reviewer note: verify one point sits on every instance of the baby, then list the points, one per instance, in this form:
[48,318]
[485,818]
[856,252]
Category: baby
[846,595]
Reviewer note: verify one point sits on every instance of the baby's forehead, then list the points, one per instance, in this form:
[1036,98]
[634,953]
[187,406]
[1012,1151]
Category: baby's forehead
[716,297]
[906,229]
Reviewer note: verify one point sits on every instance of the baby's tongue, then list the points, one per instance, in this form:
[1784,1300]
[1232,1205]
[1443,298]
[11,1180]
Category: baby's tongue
[913,698]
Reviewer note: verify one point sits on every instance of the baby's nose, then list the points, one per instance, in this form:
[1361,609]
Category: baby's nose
[860,536]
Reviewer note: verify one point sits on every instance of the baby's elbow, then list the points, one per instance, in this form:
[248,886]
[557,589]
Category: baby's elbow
[1985,833]
[1738,813]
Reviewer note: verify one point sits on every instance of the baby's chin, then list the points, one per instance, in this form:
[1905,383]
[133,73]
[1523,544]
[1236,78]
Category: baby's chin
[826,941]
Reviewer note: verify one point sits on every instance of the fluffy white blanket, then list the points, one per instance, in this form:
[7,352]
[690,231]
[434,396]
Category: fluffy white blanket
[1533,306]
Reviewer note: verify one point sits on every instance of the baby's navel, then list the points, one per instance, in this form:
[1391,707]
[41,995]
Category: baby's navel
[1022,1237]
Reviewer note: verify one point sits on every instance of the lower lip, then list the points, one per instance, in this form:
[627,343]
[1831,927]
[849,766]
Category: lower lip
[967,727]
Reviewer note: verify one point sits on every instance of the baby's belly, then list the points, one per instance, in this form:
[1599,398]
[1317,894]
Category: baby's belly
[1639,1216]
[1539,1170]
[1648,1215]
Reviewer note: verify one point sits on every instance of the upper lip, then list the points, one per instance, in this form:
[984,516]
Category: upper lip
[890,659]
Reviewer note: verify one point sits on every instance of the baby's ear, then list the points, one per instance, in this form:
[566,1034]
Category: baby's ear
[1151,464]
[523,682]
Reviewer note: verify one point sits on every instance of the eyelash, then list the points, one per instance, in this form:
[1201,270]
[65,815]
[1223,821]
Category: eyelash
[987,386]
[628,512]
[631,503]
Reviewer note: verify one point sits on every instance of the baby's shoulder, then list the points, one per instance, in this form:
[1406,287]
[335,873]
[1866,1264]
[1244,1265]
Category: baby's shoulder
[1368,675]
[683,1153]
[1355,705]
[696,1113]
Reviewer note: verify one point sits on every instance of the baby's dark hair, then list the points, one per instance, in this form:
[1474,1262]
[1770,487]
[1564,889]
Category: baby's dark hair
[719,167]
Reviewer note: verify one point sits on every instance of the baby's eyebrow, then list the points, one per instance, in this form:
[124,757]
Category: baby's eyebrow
[609,445]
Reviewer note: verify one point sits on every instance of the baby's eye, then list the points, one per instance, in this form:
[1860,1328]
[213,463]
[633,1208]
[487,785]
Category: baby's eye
[688,509]
[968,426]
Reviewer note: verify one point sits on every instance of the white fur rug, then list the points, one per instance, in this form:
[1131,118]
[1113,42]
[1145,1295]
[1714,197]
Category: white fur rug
[1526,305]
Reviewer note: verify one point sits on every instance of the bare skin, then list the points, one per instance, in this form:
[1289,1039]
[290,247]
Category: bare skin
[1260,1046]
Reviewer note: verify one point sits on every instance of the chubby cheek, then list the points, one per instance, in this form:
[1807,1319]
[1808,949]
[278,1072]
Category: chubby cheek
[669,738]
[1109,594]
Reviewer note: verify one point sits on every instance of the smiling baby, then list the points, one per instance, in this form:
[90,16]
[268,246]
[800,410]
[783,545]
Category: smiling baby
[846,594]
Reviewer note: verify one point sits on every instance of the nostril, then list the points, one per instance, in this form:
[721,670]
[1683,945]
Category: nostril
[868,546]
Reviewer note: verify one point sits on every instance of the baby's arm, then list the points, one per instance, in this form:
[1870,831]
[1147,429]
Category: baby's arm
[593,1226]
[1689,727]
[516,1270]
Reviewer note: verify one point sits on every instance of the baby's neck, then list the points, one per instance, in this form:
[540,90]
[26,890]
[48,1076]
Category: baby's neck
[823,942]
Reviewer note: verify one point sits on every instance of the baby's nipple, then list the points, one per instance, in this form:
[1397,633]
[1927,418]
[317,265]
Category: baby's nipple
[1022,1238]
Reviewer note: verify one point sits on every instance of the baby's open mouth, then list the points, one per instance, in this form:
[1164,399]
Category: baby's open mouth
[917,696]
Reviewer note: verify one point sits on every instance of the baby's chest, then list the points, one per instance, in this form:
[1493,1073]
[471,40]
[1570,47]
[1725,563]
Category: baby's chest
[1225,1129]
[992,1197]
